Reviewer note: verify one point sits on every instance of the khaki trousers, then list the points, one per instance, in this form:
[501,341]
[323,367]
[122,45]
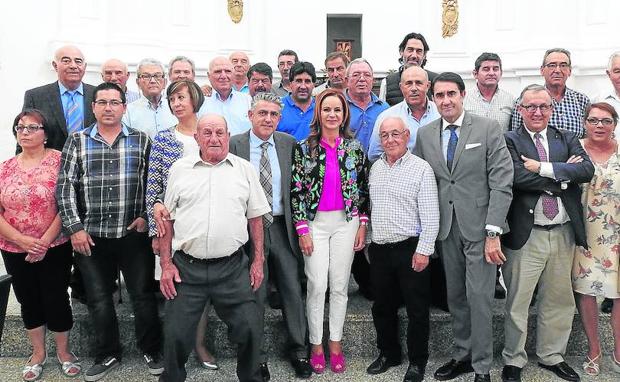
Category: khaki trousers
[546,259]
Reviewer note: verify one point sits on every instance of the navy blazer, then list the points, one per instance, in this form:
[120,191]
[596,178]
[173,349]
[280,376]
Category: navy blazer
[47,99]
[528,186]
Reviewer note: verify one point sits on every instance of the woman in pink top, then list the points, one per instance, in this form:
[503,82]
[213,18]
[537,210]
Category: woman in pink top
[35,252]
[329,202]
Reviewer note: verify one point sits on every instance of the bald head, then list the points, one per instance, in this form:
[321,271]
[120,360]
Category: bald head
[241,64]
[69,65]
[394,136]
[220,75]
[414,84]
[212,137]
[115,71]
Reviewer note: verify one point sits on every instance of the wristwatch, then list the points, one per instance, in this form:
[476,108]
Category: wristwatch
[492,234]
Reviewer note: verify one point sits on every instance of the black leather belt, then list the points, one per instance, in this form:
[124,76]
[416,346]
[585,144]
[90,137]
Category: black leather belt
[549,227]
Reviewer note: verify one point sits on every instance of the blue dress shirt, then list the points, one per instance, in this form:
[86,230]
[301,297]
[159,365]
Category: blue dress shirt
[141,115]
[65,96]
[276,178]
[234,109]
[363,121]
[401,110]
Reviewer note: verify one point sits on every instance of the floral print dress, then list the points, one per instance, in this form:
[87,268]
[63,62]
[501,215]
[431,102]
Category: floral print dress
[595,271]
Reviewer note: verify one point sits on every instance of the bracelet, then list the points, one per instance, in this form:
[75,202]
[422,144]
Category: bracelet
[303,234]
[364,224]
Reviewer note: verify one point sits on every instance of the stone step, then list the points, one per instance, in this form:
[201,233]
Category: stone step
[359,333]
[134,370]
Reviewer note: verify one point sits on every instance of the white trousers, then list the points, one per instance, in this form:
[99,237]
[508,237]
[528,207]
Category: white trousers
[333,238]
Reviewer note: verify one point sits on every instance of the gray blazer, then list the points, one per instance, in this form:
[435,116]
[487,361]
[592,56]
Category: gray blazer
[479,189]
[46,98]
[240,146]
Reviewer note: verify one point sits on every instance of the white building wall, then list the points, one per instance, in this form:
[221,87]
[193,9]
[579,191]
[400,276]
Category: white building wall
[519,31]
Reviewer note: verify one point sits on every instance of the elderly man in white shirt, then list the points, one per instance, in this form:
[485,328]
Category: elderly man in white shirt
[206,230]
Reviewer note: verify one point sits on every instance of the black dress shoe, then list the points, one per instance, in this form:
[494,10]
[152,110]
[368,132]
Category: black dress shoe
[453,369]
[482,378]
[381,364]
[607,305]
[562,370]
[302,368]
[511,374]
[264,372]
[415,373]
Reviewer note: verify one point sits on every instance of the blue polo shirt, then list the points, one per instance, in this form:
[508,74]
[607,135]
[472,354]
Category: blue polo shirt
[363,120]
[295,121]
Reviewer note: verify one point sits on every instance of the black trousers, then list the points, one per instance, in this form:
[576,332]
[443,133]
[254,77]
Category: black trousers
[132,253]
[226,281]
[281,267]
[41,287]
[391,271]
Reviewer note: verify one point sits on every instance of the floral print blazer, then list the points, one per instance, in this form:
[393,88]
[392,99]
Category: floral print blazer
[307,181]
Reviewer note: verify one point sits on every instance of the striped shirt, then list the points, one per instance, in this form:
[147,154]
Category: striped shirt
[499,108]
[404,202]
[568,114]
[101,186]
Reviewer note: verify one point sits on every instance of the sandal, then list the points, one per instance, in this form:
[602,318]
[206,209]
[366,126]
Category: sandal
[615,364]
[591,366]
[317,361]
[337,362]
[71,368]
[33,370]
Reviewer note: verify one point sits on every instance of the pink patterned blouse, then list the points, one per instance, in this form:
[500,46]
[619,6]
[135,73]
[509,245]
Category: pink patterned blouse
[27,198]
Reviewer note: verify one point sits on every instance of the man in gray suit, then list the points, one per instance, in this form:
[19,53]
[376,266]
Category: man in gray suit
[270,153]
[67,102]
[474,175]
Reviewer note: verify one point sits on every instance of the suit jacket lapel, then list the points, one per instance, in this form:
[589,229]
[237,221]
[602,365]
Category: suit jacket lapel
[463,137]
[243,150]
[284,160]
[435,146]
[56,107]
[555,146]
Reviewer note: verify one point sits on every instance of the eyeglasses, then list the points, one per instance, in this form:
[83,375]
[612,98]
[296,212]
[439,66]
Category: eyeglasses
[532,108]
[30,128]
[112,102]
[359,75]
[604,121]
[555,65]
[394,134]
[149,76]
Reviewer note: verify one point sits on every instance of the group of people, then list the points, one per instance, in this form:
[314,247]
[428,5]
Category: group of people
[248,189]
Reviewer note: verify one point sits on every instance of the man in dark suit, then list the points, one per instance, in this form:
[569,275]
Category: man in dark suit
[474,177]
[67,106]
[546,220]
[270,153]
[67,102]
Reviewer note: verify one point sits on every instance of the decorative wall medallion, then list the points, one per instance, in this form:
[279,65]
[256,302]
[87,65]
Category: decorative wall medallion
[450,18]
[235,10]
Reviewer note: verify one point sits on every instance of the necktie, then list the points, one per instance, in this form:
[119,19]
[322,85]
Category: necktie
[549,203]
[265,181]
[454,139]
[74,113]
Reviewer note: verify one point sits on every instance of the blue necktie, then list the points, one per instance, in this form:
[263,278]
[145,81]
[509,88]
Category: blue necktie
[454,139]
[74,113]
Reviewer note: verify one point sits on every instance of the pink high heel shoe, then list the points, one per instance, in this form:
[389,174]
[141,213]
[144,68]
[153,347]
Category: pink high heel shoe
[317,361]
[337,362]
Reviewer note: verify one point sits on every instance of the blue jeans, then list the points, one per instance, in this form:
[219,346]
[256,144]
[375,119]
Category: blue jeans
[133,255]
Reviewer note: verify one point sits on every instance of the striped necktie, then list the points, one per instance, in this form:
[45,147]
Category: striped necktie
[452,142]
[265,181]
[74,114]
[549,203]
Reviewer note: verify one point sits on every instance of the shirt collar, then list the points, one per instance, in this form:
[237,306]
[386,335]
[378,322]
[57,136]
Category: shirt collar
[458,122]
[257,142]
[543,133]
[217,96]
[400,160]
[94,130]
[373,98]
[63,89]
[197,160]
[408,109]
